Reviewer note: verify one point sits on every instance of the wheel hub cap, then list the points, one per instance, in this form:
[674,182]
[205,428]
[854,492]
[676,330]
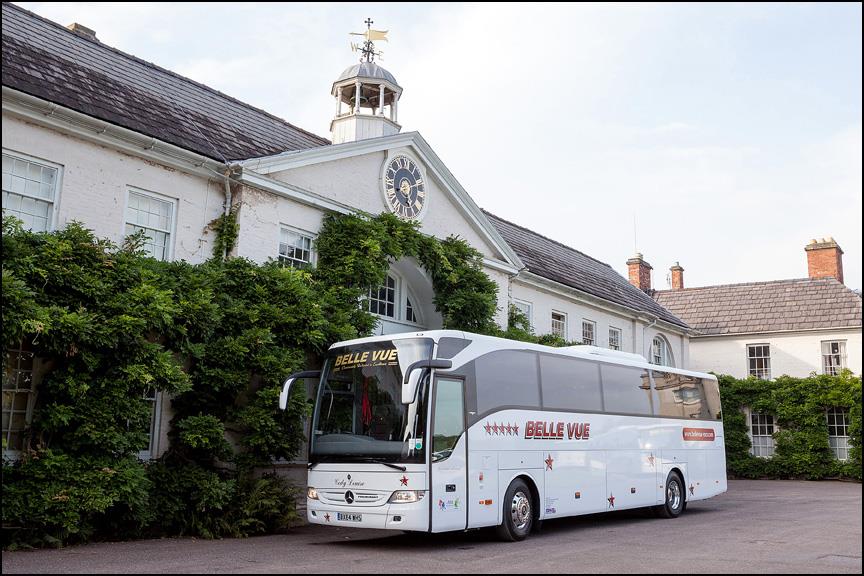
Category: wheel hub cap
[520,510]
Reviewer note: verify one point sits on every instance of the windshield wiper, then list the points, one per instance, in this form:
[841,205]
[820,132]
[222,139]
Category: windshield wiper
[388,464]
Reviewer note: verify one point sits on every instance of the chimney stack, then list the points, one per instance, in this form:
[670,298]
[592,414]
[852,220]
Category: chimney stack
[83,31]
[639,272]
[824,259]
[677,277]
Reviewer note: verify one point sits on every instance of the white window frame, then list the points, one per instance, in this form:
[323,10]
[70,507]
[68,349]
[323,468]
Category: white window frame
[58,182]
[593,325]
[407,294]
[761,445]
[10,453]
[402,292]
[563,322]
[826,357]
[287,261]
[172,240]
[666,357]
[766,371]
[521,305]
[839,443]
[620,334]
[155,428]
[396,298]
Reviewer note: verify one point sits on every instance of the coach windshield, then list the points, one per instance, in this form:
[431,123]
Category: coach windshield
[359,415]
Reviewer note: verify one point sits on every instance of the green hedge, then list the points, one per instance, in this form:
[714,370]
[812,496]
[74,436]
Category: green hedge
[799,405]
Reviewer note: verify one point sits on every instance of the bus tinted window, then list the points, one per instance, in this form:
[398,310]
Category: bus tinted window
[682,396]
[570,384]
[711,389]
[507,378]
[626,390]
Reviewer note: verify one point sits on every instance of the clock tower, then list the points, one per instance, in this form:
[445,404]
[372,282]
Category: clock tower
[366,95]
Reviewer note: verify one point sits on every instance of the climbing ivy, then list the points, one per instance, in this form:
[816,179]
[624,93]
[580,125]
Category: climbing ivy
[799,405]
[111,326]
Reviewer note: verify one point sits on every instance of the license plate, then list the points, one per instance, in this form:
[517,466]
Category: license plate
[349,517]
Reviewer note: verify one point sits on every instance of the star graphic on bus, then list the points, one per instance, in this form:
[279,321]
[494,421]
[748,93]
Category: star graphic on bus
[516,429]
[509,428]
[549,462]
[611,500]
[692,489]
[327,517]
[404,480]
[651,460]
[488,428]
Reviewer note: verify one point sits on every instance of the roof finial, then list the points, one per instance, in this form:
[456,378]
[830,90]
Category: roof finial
[368,47]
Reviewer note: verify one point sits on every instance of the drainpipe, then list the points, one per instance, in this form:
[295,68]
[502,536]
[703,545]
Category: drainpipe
[229,169]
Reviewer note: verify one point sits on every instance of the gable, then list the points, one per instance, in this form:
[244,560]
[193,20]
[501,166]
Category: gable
[351,175]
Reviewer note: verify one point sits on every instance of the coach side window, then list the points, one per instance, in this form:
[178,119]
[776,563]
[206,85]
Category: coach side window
[507,378]
[626,390]
[679,396]
[570,384]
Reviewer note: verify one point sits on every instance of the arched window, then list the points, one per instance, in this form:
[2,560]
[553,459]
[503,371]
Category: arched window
[660,354]
[382,300]
[410,314]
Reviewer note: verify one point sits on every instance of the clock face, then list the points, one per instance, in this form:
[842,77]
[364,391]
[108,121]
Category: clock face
[404,187]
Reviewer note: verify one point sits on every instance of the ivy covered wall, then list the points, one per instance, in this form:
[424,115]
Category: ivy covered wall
[111,327]
[798,405]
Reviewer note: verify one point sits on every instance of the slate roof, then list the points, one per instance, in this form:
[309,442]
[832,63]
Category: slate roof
[46,60]
[560,263]
[759,307]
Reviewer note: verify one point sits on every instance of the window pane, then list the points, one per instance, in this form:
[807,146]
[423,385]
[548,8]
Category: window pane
[155,218]
[626,390]
[570,384]
[449,418]
[507,378]
[17,390]
[614,338]
[559,324]
[588,333]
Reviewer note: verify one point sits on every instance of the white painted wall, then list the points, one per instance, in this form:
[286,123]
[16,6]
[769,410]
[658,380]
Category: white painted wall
[261,216]
[356,181]
[95,180]
[795,354]
[636,335]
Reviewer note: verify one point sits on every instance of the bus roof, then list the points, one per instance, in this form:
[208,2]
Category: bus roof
[594,353]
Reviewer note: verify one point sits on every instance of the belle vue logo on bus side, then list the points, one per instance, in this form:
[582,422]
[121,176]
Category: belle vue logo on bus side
[540,430]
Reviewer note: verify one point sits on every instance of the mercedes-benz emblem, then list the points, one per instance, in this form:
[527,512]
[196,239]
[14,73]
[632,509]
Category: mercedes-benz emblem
[349,497]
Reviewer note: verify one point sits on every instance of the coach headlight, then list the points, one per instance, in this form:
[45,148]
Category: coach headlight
[406,496]
[311,493]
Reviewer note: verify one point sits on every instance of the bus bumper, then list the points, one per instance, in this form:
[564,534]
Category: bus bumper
[414,516]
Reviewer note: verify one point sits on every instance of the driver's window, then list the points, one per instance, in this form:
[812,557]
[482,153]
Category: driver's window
[449,418]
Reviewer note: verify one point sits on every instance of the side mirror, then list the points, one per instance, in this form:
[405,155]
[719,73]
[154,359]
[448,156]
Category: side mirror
[415,372]
[286,387]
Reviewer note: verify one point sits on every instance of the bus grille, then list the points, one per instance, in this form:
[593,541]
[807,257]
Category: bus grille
[364,498]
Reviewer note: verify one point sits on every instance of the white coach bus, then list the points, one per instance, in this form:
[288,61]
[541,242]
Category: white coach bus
[446,430]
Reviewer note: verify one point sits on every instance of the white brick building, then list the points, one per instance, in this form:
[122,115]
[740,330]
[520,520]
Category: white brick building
[99,136]
[769,329]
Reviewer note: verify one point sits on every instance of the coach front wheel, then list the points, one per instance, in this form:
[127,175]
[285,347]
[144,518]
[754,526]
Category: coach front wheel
[518,518]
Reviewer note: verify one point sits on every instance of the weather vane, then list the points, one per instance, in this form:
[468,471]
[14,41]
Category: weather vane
[368,48]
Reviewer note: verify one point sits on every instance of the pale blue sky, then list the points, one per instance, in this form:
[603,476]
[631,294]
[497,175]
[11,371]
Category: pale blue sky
[731,132]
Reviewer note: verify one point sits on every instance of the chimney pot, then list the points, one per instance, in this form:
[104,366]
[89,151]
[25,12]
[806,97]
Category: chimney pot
[639,272]
[82,30]
[677,277]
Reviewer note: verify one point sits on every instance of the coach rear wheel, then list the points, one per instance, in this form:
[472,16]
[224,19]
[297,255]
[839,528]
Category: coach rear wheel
[518,512]
[674,496]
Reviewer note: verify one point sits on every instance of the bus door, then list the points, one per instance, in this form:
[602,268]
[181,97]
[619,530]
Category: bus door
[449,457]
